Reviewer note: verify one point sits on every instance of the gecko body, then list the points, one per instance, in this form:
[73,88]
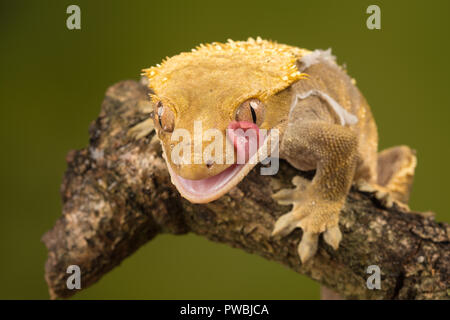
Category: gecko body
[323,122]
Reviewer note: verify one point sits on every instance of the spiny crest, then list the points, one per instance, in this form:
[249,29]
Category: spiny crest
[275,58]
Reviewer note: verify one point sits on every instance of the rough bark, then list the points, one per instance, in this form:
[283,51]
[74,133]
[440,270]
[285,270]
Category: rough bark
[117,196]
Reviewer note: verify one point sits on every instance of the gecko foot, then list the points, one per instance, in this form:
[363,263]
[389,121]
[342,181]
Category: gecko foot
[145,127]
[142,129]
[382,194]
[312,216]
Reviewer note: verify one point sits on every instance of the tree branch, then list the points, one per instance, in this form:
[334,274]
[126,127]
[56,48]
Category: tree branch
[117,195]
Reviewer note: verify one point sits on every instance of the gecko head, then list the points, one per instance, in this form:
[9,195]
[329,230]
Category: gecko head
[211,106]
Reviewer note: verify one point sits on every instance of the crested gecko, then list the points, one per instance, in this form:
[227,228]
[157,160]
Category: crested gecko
[323,123]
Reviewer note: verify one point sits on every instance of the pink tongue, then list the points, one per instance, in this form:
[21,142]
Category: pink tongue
[245,137]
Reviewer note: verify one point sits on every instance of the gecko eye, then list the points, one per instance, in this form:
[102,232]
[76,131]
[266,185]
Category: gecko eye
[251,110]
[165,117]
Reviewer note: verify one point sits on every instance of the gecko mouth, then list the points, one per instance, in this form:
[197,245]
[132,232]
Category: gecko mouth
[209,189]
[212,188]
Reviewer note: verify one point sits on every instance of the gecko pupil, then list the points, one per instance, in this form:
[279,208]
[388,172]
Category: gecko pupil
[251,110]
[160,113]
[253,114]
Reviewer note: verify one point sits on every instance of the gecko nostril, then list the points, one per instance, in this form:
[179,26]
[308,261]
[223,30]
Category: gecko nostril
[209,163]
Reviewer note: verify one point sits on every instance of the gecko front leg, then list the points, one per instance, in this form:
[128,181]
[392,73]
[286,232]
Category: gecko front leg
[332,149]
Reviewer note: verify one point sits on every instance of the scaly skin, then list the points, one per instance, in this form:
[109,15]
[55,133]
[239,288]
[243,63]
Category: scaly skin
[324,123]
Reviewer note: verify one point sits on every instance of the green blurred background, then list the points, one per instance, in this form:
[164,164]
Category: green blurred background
[53,81]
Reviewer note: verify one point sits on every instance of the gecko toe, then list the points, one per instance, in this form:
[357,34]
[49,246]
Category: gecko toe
[382,194]
[294,195]
[284,225]
[284,196]
[308,246]
[300,182]
[142,129]
[333,236]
